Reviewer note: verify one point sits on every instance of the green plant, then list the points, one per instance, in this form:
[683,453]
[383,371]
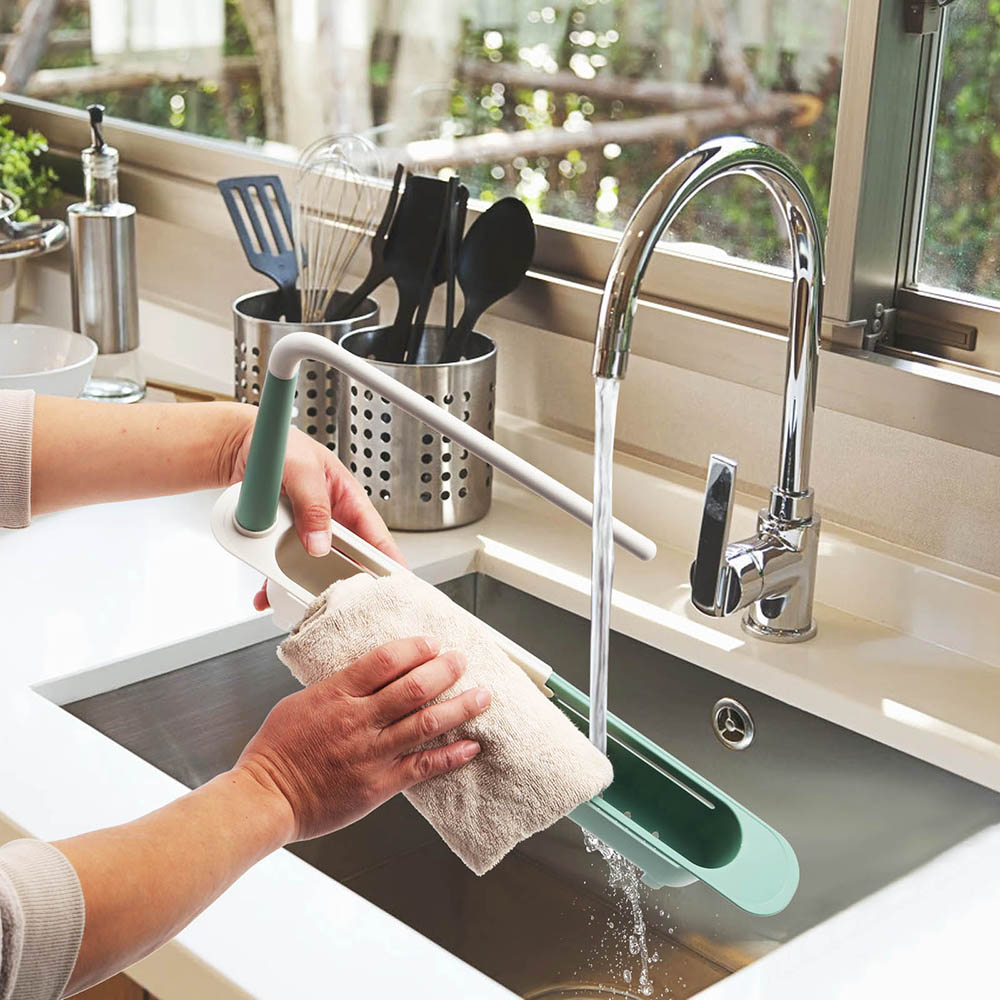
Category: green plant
[22,170]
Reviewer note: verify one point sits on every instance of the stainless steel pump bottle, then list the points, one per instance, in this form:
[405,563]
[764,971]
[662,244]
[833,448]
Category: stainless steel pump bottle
[104,279]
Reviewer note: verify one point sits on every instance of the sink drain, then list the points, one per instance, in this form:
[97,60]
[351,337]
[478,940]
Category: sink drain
[733,724]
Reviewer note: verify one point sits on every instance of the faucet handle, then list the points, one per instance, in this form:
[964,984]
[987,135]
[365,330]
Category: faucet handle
[714,589]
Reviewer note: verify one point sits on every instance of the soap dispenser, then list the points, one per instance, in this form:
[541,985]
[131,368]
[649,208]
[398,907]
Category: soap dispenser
[104,281]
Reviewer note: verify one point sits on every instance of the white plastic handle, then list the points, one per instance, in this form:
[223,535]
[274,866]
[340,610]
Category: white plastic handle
[294,348]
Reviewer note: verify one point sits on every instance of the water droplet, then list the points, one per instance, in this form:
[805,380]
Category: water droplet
[624,878]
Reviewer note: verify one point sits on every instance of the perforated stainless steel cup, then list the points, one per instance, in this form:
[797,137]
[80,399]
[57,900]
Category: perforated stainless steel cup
[418,479]
[257,327]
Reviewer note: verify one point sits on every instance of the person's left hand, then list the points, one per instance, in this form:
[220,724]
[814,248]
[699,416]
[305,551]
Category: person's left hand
[319,488]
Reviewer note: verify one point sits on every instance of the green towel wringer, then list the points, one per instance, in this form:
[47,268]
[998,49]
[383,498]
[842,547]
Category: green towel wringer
[670,822]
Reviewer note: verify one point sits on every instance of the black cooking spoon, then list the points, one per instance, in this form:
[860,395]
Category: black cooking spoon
[492,261]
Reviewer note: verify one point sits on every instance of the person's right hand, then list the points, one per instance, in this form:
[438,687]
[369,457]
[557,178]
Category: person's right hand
[333,752]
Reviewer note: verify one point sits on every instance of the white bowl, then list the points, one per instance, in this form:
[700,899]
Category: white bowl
[51,361]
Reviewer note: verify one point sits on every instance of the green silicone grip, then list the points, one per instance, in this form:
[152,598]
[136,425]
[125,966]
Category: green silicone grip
[257,507]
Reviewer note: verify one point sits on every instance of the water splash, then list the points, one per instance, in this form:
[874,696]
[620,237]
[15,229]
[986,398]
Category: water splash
[603,557]
[623,877]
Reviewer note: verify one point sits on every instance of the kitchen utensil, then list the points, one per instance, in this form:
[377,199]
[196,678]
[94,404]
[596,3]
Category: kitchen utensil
[434,275]
[455,231]
[412,249]
[271,249]
[377,272]
[257,327]
[661,815]
[19,240]
[452,225]
[44,358]
[27,239]
[417,478]
[30,239]
[492,261]
[103,273]
[335,205]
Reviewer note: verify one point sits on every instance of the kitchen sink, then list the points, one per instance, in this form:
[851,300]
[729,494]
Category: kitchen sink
[545,922]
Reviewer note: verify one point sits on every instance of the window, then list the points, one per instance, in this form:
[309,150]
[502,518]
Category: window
[575,107]
[961,239]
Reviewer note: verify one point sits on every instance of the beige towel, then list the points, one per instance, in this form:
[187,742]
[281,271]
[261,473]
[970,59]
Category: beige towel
[535,765]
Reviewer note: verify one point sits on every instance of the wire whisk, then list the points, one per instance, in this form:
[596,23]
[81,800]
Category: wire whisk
[336,202]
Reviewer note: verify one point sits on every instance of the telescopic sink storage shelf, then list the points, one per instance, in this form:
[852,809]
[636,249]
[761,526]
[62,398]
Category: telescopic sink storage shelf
[664,817]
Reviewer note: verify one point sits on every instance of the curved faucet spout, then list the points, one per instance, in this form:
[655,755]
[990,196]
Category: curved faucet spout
[653,217]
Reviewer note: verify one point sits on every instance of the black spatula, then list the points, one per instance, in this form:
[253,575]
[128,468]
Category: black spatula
[271,248]
[412,248]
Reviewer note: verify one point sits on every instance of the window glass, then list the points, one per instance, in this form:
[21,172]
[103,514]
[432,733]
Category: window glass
[961,240]
[575,107]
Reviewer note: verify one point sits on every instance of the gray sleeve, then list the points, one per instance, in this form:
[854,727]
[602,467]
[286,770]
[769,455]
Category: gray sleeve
[17,412]
[41,921]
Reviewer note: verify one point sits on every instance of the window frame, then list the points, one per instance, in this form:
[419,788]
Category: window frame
[739,336]
[893,85]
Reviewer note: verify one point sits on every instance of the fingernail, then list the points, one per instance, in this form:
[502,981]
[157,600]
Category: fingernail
[318,543]
[458,658]
[482,698]
[470,750]
[433,646]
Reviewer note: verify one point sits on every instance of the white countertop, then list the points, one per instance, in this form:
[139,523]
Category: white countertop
[908,653]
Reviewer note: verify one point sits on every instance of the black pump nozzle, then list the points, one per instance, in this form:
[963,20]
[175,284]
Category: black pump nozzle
[96,112]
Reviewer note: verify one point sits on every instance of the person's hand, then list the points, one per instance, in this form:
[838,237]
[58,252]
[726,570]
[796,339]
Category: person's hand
[319,487]
[330,754]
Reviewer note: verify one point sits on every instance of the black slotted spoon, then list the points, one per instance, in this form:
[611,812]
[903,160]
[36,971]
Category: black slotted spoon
[271,248]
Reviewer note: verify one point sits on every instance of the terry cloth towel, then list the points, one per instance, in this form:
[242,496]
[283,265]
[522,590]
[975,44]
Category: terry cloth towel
[535,765]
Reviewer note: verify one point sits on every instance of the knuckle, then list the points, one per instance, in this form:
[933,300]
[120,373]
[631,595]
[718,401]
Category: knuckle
[315,512]
[455,663]
[423,766]
[428,724]
[425,647]
[415,689]
[469,706]
[383,658]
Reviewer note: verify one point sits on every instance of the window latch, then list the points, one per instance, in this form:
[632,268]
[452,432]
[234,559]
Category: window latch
[924,17]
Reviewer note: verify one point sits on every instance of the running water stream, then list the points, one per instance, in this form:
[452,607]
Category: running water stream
[622,875]
[602,570]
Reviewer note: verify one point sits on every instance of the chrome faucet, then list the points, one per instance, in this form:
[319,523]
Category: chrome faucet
[773,573]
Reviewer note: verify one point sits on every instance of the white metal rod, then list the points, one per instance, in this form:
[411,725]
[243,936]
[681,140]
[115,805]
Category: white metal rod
[294,348]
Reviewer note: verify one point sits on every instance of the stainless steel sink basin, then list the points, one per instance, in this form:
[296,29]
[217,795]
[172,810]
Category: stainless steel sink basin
[544,922]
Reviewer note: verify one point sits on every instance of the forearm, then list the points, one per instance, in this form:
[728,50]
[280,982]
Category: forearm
[85,452]
[144,881]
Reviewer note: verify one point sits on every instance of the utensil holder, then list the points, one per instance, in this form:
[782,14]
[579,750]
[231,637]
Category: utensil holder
[257,326]
[417,478]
